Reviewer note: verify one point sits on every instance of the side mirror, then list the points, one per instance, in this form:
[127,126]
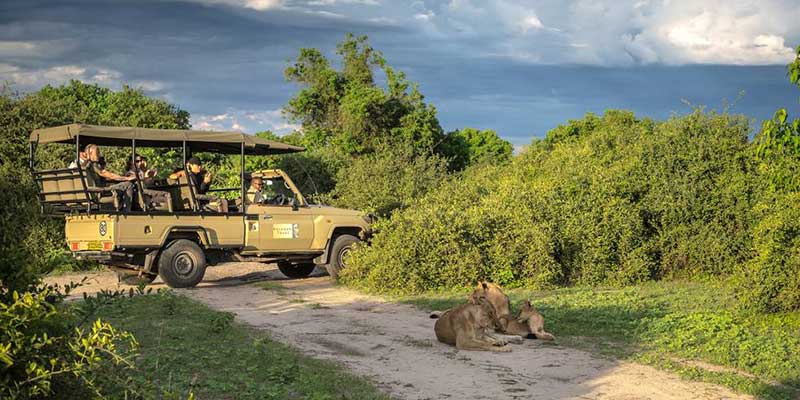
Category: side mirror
[294,204]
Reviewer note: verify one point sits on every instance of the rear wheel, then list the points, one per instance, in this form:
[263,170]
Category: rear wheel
[296,271]
[340,251]
[182,264]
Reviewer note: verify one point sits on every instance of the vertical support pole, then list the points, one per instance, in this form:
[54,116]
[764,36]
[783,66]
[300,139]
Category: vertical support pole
[244,199]
[78,149]
[133,155]
[30,160]
[244,190]
[184,155]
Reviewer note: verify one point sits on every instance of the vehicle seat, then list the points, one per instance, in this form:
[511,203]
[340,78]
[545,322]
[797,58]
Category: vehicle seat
[187,198]
[63,189]
[100,195]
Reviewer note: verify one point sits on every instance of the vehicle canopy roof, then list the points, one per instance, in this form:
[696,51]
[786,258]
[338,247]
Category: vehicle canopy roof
[205,141]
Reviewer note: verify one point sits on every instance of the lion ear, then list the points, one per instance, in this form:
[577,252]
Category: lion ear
[485,285]
[527,303]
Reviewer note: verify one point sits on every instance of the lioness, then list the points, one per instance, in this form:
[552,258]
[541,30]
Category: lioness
[468,326]
[529,323]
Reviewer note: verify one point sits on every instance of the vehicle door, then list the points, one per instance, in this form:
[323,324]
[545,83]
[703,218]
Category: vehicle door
[282,226]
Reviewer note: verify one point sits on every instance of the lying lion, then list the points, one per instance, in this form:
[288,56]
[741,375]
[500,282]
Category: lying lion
[529,323]
[469,326]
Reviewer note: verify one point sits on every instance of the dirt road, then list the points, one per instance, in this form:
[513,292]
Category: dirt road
[393,344]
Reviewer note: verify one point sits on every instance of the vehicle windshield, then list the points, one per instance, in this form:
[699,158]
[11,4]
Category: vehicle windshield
[276,191]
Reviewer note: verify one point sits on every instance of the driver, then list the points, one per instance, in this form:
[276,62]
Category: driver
[254,194]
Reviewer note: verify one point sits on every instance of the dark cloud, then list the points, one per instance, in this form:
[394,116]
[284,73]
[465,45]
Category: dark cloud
[511,73]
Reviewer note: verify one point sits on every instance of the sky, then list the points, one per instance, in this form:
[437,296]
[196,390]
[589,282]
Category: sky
[518,67]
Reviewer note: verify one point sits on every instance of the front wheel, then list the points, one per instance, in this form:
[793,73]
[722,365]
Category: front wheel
[182,264]
[340,251]
[296,271]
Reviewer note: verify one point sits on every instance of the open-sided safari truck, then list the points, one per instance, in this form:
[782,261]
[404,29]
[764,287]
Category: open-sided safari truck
[177,242]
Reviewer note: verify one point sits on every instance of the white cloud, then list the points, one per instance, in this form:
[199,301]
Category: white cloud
[34,48]
[258,5]
[33,79]
[610,32]
[425,16]
[531,22]
[248,121]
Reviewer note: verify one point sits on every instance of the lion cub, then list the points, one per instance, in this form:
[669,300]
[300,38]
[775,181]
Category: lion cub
[529,323]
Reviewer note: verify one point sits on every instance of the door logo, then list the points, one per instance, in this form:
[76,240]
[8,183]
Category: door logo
[285,231]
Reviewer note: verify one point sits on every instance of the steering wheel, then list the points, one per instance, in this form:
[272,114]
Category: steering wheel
[279,199]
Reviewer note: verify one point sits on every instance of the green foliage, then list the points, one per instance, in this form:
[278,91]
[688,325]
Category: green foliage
[349,122]
[603,200]
[45,350]
[387,180]
[693,328]
[347,110]
[770,281]
[470,146]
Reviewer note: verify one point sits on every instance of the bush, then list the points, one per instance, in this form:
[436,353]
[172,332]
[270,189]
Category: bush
[604,200]
[388,179]
[44,349]
[770,280]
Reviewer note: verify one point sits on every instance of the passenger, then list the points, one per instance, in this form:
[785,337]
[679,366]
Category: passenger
[154,198]
[83,157]
[201,179]
[101,176]
[254,194]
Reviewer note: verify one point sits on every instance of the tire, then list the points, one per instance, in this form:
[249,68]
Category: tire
[296,271]
[339,252]
[182,264]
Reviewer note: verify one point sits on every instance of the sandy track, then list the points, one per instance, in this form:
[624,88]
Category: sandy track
[393,344]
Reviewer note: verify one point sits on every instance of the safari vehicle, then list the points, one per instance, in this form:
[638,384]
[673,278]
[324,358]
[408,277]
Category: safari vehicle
[177,242]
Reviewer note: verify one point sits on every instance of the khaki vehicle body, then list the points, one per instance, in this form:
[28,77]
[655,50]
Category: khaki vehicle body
[265,231]
[179,243]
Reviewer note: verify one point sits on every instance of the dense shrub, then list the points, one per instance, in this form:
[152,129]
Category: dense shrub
[770,281]
[386,180]
[47,350]
[602,200]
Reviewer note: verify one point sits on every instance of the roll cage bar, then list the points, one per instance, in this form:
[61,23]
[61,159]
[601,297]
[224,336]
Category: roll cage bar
[187,140]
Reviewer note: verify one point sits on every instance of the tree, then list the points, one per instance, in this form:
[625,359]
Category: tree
[32,244]
[470,146]
[348,111]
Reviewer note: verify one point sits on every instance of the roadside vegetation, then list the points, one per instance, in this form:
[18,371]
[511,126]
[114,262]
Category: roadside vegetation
[611,200]
[692,328]
[185,348]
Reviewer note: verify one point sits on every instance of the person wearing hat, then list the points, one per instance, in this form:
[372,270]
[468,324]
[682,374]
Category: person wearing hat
[201,179]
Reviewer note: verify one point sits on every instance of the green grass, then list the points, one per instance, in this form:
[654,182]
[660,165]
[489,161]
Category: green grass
[187,347]
[671,325]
